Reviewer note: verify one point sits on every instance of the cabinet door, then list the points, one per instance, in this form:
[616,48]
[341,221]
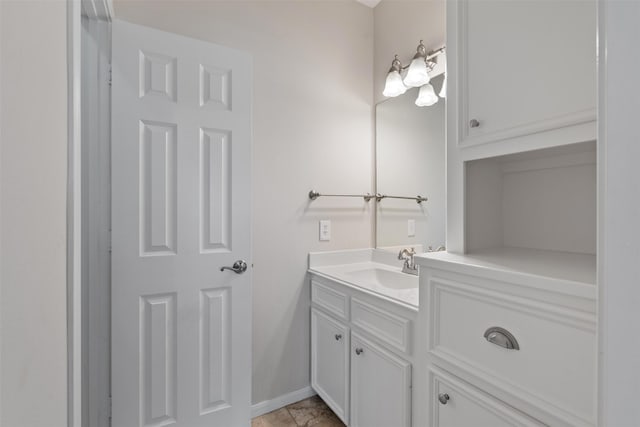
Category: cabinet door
[380,386]
[526,66]
[458,404]
[330,362]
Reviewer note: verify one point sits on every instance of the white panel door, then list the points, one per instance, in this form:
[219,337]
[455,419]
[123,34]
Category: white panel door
[330,362]
[181,150]
[380,386]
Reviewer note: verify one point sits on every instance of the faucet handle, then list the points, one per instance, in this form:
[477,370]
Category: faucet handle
[406,253]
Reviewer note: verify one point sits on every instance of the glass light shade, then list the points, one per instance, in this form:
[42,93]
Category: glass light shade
[443,90]
[394,86]
[417,75]
[426,97]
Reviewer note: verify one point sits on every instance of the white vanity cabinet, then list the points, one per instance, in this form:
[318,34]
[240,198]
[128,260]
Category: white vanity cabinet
[507,331]
[516,345]
[361,354]
[524,68]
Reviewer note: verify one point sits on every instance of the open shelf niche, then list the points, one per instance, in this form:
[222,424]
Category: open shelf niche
[535,211]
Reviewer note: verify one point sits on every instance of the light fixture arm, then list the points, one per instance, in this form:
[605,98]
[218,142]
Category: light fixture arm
[396,65]
[436,52]
[421,51]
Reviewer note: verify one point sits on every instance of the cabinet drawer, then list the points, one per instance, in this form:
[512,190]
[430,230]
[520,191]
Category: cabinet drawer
[454,403]
[386,327]
[330,299]
[554,367]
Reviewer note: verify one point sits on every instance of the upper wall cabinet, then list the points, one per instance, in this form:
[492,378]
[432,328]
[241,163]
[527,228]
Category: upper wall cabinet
[526,74]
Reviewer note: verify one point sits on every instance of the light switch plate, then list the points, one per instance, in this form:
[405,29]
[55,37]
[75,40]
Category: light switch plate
[411,228]
[325,230]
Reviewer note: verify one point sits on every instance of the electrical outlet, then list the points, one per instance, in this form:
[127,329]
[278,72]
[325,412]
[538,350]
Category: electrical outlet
[325,230]
[411,228]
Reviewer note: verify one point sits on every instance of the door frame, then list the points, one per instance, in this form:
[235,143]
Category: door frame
[83,227]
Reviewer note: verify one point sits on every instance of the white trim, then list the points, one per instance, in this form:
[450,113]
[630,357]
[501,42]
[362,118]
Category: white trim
[90,406]
[98,9]
[267,406]
[96,126]
[74,219]
[601,400]
[1,258]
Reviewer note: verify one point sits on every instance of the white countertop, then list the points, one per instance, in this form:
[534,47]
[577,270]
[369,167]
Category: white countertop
[565,272]
[373,271]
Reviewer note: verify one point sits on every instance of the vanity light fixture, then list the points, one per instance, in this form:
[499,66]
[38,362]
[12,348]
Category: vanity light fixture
[417,75]
[394,85]
[427,96]
[418,72]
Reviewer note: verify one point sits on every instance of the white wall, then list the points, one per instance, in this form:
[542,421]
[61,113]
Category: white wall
[312,127]
[619,245]
[33,161]
[399,27]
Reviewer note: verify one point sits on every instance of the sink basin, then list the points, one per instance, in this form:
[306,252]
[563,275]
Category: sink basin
[385,278]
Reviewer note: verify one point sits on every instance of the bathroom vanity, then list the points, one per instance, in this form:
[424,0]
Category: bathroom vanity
[363,314]
[507,327]
[510,338]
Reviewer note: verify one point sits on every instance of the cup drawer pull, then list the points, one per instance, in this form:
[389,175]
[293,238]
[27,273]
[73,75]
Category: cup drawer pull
[501,337]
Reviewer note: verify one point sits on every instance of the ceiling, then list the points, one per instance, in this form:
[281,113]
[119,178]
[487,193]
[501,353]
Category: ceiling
[370,3]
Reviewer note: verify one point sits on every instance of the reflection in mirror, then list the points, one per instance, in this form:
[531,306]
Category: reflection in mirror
[410,161]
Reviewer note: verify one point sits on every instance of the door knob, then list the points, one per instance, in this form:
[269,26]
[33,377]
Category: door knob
[443,398]
[474,123]
[239,267]
[359,351]
[338,337]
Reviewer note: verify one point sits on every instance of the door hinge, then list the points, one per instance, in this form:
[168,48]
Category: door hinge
[109,75]
[110,408]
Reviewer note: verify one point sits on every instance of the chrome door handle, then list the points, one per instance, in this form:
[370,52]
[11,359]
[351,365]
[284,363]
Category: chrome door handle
[239,267]
[501,337]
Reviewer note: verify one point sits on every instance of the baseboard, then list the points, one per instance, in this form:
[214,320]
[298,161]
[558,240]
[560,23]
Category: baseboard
[281,401]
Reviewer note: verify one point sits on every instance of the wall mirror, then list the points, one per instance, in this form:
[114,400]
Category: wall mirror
[410,161]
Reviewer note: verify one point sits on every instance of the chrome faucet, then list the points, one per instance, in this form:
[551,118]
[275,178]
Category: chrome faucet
[409,265]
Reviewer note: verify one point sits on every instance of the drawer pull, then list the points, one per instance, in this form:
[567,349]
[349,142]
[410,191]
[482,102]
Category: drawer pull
[501,337]
[359,351]
[443,398]
[338,337]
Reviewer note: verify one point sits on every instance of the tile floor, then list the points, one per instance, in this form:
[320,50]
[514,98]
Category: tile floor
[306,413]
